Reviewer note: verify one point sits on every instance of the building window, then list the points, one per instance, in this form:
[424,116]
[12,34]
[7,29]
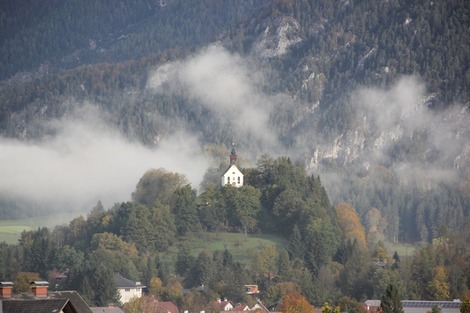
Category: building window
[228,180]
[127,290]
[239,179]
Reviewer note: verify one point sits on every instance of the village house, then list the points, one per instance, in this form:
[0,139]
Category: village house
[40,300]
[127,289]
[220,305]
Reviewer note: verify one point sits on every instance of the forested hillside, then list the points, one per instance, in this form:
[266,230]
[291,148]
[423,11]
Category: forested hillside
[329,255]
[371,96]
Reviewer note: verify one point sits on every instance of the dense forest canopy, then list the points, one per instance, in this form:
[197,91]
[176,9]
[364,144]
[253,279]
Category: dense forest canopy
[327,254]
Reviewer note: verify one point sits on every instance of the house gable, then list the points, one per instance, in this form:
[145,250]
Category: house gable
[127,288]
[232,176]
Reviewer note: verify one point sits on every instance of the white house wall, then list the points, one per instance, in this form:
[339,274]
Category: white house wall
[128,293]
[233,177]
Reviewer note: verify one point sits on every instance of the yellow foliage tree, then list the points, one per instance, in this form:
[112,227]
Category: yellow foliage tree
[439,287]
[326,308]
[155,287]
[465,306]
[295,303]
[350,223]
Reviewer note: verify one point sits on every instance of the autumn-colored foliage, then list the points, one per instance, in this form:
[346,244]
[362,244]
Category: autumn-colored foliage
[349,221]
[22,280]
[294,303]
[465,307]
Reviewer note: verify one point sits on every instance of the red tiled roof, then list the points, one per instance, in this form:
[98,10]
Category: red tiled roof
[168,307]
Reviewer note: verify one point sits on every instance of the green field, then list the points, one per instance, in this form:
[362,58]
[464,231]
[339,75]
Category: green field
[404,250]
[242,249]
[10,230]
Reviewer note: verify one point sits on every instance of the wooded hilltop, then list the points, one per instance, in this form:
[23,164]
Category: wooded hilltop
[328,255]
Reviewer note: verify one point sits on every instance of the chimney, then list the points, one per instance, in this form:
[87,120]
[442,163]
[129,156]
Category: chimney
[39,288]
[5,289]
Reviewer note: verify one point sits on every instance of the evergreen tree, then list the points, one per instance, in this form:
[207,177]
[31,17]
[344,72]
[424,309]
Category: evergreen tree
[184,260]
[391,302]
[105,287]
[284,266]
[185,210]
[296,247]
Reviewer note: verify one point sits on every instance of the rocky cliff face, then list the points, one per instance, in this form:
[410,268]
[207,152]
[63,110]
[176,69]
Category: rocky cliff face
[388,126]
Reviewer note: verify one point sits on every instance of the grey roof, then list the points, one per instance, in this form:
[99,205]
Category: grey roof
[122,282]
[420,306]
[430,304]
[74,297]
[37,306]
[422,303]
[373,303]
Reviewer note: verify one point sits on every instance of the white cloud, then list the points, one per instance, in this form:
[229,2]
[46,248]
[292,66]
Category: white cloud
[87,161]
[399,116]
[226,84]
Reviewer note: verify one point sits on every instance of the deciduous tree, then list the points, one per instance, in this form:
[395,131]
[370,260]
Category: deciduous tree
[183,206]
[295,303]
[157,184]
[465,306]
[244,202]
[22,280]
[350,223]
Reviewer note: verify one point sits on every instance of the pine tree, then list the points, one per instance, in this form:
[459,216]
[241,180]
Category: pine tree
[296,247]
[391,302]
[105,287]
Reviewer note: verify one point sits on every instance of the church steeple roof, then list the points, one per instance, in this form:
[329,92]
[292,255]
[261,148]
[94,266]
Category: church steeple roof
[233,156]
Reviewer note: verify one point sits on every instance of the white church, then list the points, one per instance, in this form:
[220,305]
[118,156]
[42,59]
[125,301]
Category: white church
[232,175]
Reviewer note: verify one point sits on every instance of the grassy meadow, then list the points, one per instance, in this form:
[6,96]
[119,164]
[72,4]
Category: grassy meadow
[10,230]
[242,249]
[404,250]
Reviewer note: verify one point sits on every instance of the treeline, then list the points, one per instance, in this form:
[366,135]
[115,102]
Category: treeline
[128,237]
[412,211]
[330,255]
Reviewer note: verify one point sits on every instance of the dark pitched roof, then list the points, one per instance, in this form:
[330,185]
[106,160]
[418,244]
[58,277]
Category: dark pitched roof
[74,297]
[38,306]
[122,282]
